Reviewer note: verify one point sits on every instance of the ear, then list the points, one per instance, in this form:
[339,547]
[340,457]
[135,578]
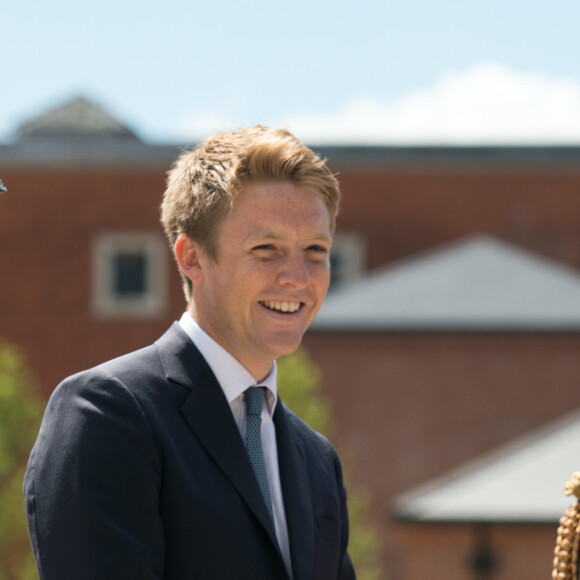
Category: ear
[188,254]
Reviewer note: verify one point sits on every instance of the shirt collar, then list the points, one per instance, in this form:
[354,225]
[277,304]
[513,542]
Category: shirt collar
[232,376]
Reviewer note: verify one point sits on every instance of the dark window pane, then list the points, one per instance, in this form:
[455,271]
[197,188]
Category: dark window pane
[336,265]
[129,274]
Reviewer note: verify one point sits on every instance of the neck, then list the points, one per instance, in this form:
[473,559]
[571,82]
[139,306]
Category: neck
[258,369]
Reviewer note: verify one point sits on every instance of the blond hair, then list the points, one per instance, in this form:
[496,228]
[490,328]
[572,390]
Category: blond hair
[203,183]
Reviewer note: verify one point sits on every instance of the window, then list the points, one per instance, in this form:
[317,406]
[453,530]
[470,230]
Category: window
[346,258]
[129,275]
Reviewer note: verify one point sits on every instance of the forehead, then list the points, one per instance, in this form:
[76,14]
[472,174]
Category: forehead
[279,206]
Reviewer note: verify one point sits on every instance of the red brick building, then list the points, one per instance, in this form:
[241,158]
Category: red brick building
[85,276]
[436,360]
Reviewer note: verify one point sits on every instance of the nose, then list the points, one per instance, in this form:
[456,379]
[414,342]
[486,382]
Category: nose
[294,272]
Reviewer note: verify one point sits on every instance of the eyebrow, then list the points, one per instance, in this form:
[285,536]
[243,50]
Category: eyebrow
[265,235]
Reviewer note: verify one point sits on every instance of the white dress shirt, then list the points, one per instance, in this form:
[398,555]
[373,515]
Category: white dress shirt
[234,379]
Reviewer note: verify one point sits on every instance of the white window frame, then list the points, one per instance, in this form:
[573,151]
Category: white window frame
[153,303]
[351,248]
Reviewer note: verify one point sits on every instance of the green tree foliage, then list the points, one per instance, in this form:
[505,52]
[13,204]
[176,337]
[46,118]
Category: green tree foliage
[20,415]
[299,381]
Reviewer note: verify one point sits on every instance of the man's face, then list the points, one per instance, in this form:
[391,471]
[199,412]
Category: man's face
[270,275]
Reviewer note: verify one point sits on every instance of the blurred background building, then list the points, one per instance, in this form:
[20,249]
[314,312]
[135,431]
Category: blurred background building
[452,329]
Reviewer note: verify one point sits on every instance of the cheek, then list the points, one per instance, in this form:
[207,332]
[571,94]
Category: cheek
[320,274]
[259,277]
[242,291]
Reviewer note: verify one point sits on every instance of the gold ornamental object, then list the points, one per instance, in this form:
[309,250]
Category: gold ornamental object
[566,551]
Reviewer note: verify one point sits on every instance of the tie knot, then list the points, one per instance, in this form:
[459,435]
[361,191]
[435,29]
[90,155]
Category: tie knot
[254,397]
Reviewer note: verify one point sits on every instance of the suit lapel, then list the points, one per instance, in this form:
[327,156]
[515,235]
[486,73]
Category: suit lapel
[296,491]
[204,409]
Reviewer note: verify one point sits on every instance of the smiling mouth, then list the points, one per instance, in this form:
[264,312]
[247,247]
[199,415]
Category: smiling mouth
[288,307]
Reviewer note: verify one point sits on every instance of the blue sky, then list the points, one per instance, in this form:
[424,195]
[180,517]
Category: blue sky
[376,71]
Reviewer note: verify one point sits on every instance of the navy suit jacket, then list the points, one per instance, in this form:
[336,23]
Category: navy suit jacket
[139,473]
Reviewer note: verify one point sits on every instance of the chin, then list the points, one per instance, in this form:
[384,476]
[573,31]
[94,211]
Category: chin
[288,348]
[280,344]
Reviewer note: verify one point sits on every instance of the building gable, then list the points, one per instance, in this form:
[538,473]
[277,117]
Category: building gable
[478,283]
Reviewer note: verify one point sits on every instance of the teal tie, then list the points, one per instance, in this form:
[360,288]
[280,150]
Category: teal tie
[254,398]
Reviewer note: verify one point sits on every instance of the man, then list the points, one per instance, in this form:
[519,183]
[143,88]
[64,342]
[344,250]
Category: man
[156,465]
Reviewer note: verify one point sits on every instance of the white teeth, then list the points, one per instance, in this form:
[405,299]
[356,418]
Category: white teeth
[281,306]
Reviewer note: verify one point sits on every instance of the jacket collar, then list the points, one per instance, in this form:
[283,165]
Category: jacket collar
[296,491]
[204,409]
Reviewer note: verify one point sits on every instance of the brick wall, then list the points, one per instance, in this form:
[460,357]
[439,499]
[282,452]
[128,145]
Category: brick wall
[401,213]
[446,552]
[426,403]
[48,221]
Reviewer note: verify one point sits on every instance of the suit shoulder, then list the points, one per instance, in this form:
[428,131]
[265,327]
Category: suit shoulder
[139,374]
[310,436]
[144,363]
[130,364]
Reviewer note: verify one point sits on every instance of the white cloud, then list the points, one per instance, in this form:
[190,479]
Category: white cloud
[202,125]
[488,104]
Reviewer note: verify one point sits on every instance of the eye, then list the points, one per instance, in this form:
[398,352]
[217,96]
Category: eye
[318,249]
[265,251]
[318,252]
